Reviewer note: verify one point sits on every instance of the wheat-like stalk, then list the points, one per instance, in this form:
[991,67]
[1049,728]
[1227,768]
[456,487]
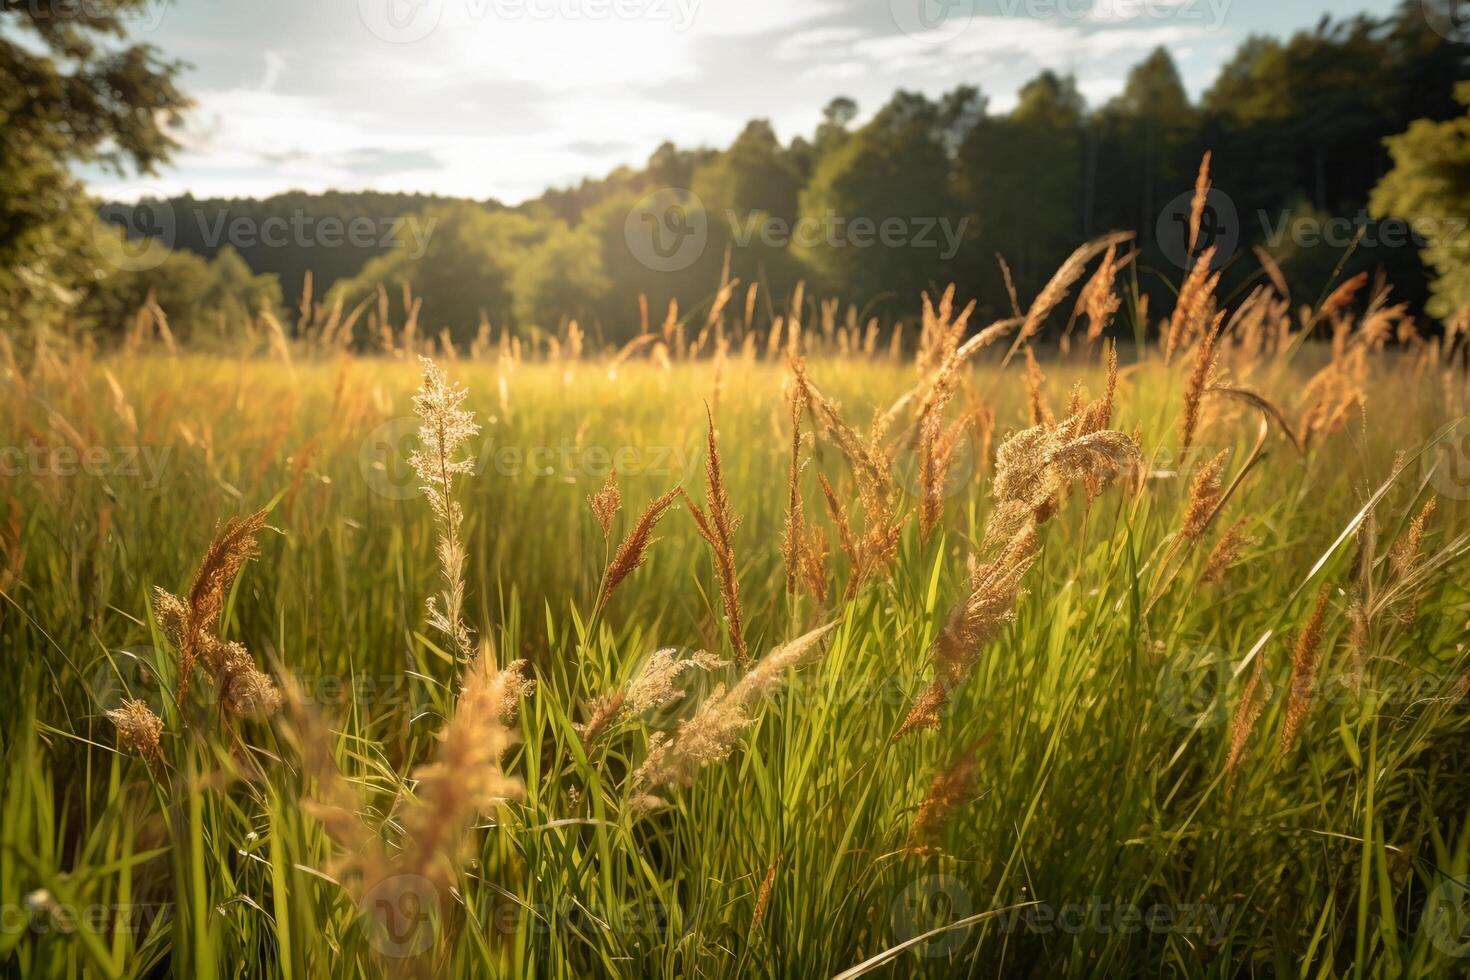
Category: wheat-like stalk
[1305,656]
[950,789]
[712,733]
[717,525]
[633,550]
[444,427]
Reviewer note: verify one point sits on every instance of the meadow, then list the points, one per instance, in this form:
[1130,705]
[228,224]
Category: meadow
[807,654]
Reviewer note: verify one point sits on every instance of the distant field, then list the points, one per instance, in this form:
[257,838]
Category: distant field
[1197,709]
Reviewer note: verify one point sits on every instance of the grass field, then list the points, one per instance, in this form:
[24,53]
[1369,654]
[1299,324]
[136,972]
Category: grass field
[1114,746]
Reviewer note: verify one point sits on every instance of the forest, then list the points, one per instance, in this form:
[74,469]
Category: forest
[1306,133]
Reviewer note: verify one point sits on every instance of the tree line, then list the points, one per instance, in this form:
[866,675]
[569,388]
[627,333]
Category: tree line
[924,192]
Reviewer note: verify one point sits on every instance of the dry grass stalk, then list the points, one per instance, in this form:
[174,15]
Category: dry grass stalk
[444,427]
[138,728]
[1098,300]
[1204,496]
[763,897]
[601,713]
[877,546]
[634,548]
[1247,712]
[1405,556]
[990,604]
[1226,552]
[1333,395]
[839,519]
[1195,307]
[718,527]
[188,623]
[1033,468]
[1305,656]
[713,731]
[1037,408]
[1406,551]
[1273,271]
[1200,378]
[1198,202]
[606,503]
[656,685]
[466,778]
[1061,281]
[950,789]
[792,533]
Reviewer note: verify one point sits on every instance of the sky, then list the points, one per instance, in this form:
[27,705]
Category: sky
[504,98]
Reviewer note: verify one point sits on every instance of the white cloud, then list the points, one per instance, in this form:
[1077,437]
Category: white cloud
[505,97]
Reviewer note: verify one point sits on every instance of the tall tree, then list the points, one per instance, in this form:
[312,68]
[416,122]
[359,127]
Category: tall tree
[1429,187]
[1020,177]
[894,172]
[1146,148]
[70,92]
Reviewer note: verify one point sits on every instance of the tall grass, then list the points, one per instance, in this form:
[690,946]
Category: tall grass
[1176,651]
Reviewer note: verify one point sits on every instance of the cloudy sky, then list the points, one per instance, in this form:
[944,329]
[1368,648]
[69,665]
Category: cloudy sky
[503,98]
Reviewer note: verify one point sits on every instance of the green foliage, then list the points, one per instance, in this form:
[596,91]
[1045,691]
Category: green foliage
[1295,123]
[208,303]
[461,266]
[69,93]
[1104,731]
[1429,187]
[560,277]
[895,167]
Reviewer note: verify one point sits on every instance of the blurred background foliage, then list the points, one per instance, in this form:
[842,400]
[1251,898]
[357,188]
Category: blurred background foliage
[1303,128]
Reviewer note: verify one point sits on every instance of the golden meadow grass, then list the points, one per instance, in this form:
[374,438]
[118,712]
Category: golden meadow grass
[761,651]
